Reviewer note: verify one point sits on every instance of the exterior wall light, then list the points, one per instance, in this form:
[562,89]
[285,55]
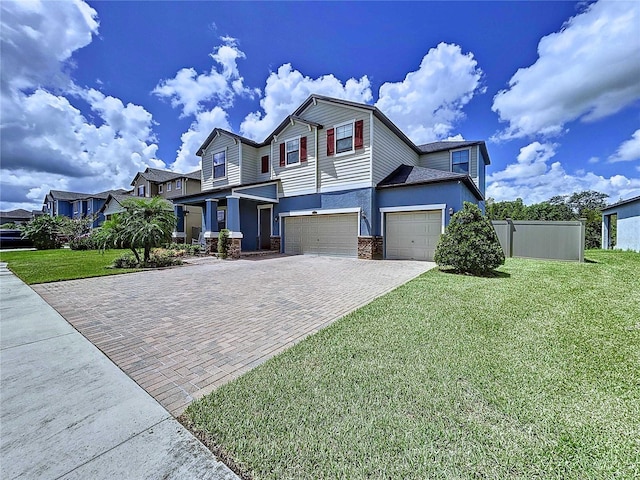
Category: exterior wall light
[450,210]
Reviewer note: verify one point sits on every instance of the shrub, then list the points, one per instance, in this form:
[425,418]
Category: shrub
[223,243]
[87,241]
[180,249]
[157,258]
[470,243]
[45,232]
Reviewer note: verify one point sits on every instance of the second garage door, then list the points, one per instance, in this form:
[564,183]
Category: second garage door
[322,234]
[412,235]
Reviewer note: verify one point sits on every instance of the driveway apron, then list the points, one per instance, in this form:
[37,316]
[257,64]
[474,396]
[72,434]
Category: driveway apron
[182,332]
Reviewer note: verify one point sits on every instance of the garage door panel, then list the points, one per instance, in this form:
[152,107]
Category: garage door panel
[412,235]
[322,234]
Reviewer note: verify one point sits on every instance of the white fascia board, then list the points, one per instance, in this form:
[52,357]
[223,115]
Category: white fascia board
[320,211]
[254,197]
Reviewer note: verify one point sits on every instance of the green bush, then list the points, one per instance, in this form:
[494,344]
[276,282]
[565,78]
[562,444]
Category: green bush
[46,232]
[223,243]
[470,243]
[157,259]
[183,249]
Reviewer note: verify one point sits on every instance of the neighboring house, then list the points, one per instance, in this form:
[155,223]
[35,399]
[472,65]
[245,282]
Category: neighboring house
[170,185]
[335,178]
[627,222]
[78,205]
[113,204]
[19,216]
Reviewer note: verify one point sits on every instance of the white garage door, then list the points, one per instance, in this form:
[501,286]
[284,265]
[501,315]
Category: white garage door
[412,235]
[322,234]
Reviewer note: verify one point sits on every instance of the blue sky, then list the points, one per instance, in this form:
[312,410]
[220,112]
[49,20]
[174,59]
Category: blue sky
[93,92]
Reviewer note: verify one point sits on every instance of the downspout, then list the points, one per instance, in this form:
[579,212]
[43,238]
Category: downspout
[317,170]
[240,160]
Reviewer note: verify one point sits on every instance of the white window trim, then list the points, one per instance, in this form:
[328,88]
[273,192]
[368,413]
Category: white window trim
[412,208]
[299,162]
[160,189]
[178,184]
[226,166]
[451,158]
[308,213]
[265,207]
[353,138]
[268,172]
[169,186]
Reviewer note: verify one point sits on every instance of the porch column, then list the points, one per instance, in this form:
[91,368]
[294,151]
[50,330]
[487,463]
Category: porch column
[233,214]
[179,234]
[210,214]
[606,236]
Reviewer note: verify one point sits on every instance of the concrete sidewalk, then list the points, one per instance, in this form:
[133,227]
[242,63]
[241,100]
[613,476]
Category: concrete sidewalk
[66,411]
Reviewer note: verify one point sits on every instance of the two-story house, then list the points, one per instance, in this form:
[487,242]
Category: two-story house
[78,205]
[335,178]
[171,185]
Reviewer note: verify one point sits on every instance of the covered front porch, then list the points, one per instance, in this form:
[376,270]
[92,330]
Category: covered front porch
[247,212]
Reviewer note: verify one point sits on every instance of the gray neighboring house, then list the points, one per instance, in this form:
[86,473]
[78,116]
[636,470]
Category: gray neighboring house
[627,235]
[19,216]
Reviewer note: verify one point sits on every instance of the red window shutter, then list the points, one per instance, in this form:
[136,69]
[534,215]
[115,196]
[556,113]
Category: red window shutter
[303,149]
[265,164]
[358,140]
[330,142]
[282,155]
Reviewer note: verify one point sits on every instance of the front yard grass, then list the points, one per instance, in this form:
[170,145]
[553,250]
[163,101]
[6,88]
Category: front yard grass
[532,374]
[43,266]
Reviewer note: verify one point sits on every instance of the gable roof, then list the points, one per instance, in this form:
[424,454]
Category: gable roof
[313,98]
[18,214]
[410,175]
[622,202]
[117,197]
[64,196]
[156,175]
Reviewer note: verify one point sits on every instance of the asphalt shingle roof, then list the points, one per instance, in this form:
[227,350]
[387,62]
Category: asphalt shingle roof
[411,175]
[160,176]
[19,213]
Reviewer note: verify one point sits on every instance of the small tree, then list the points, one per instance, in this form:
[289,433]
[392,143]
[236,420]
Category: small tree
[144,224]
[46,232]
[470,243]
[223,243]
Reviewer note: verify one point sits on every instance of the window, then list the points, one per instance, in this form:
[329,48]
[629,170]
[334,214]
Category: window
[293,151]
[460,161]
[178,184]
[160,188]
[344,138]
[141,191]
[168,186]
[264,167]
[219,165]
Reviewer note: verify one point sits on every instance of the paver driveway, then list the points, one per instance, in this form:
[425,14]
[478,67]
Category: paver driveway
[182,332]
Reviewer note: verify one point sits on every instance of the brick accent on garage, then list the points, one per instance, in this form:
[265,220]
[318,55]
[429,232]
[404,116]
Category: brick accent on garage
[275,243]
[370,248]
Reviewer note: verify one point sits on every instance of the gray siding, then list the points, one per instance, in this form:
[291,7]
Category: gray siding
[299,178]
[250,164]
[442,161]
[228,144]
[341,170]
[263,177]
[389,152]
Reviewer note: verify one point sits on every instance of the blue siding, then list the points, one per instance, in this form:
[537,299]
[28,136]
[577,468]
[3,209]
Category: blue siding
[266,191]
[249,224]
[65,208]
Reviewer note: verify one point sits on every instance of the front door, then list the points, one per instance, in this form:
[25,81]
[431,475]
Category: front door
[264,219]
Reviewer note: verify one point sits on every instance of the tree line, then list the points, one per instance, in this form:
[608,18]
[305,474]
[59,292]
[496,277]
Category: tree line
[587,204]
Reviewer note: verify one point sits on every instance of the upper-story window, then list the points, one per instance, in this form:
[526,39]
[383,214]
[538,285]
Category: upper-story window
[178,184]
[219,165]
[168,186]
[160,188]
[141,190]
[344,138]
[460,161]
[264,164]
[293,151]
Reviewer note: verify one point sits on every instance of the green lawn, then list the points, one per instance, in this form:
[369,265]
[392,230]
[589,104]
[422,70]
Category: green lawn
[43,266]
[533,374]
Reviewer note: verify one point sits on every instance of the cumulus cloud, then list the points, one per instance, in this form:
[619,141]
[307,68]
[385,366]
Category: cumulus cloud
[47,142]
[588,70]
[534,178]
[287,88]
[221,84]
[628,150]
[428,103]
[201,127]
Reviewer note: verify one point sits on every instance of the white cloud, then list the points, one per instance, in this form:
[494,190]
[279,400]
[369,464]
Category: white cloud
[47,142]
[196,92]
[588,70]
[628,150]
[428,103]
[287,88]
[593,160]
[204,123]
[534,179]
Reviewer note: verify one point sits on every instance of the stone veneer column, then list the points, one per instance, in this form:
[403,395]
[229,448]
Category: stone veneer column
[370,248]
[235,248]
[275,243]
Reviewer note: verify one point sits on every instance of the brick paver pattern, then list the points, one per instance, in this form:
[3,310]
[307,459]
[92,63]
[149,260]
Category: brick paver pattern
[182,332]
